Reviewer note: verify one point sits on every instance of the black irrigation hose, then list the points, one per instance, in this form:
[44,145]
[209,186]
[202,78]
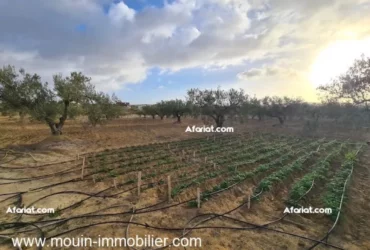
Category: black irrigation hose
[180,229]
[78,203]
[40,166]
[326,237]
[41,233]
[64,220]
[254,226]
[74,180]
[177,204]
[88,153]
[51,175]
[48,175]
[140,209]
[194,140]
[76,167]
[126,212]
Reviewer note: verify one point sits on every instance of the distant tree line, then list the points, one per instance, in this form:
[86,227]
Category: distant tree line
[345,101]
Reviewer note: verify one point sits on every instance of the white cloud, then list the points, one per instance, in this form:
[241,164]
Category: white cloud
[124,45]
[120,12]
[270,72]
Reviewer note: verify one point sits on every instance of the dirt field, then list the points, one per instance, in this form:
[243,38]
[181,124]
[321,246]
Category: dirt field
[90,177]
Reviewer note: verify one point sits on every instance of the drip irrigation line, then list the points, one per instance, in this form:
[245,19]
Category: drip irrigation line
[41,233]
[76,204]
[91,153]
[143,210]
[326,237]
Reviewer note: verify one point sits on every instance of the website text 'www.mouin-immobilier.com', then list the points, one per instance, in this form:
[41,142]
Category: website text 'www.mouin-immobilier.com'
[82,241]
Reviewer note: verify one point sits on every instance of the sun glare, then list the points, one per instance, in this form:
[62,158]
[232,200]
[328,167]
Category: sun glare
[336,59]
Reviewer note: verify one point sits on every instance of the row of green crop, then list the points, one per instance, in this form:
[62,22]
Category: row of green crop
[140,165]
[277,150]
[146,150]
[242,176]
[332,198]
[163,159]
[287,170]
[149,148]
[216,147]
[206,167]
[319,172]
[152,147]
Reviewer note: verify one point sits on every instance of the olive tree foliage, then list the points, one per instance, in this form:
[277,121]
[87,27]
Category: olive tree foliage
[149,110]
[25,91]
[75,110]
[348,95]
[352,86]
[281,107]
[177,108]
[311,115]
[345,114]
[253,107]
[162,109]
[21,91]
[218,103]
[100,108]
[74,88]
[17,90]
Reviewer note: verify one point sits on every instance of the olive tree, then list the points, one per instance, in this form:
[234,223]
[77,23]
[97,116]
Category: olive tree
[162,109]
[281,107]
[150,110]
[218,103]
[26,91]
[177,108]
[354,85]
[100,107]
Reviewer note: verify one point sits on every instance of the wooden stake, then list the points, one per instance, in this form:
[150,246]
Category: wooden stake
[94,178]
[169,188]
[138,183]
[194,153]
[250,191]
[82,168]
[214,165]
[205,159]
[198,197]
[115,183]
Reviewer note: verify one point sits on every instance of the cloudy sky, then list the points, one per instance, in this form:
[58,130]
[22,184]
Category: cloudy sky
[149,50]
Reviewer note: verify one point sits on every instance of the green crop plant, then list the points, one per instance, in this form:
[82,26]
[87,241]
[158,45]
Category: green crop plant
[113,173]
[332,198]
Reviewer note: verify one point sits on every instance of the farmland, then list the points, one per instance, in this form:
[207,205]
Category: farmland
[245,181]
[178,124]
